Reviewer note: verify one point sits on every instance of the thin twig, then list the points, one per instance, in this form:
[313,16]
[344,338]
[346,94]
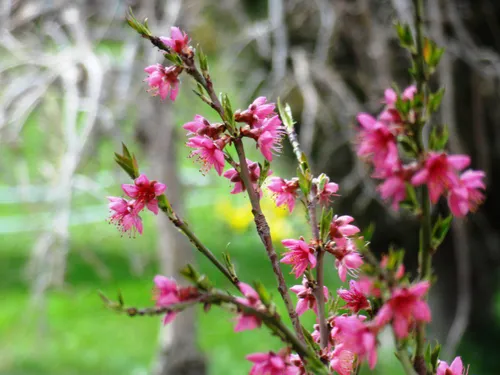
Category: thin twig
[313,220]
[184,228]
[425,251]
[259,218]
[265,236]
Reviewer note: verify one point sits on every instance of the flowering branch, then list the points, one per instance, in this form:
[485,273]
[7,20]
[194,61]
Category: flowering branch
[425,251]
[318,292]
[384,292]
[265,236]
[260,220]
[216,297]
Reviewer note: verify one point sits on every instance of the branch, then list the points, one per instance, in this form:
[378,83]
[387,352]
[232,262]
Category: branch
[271,320]
[184,228]
[313,220]
[265,236]
[425,251]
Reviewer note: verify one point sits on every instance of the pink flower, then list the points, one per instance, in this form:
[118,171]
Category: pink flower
[300,255]
[409,92]
[163,80]
[329,189]
[466,196]
[390,115]
[390,96]
[234,177]
[208,152]
[166,293]
[285,191]
[306,298]
[347,258]
[256,112]
[357,337]
[178,40]
[377,143]
[145,192]
[252,299]
[456,368]
[271,364]
[393,188]
[341,228]
[342,360]
[201,126]
[269,137]
[297,362]
[125,215]
[355,297]
[404,307]
[197,125]
[439,173]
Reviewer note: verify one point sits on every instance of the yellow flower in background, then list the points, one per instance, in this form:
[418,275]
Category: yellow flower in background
[239,217]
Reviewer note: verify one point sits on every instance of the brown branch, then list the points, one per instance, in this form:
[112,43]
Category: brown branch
[265,236]
[272,320]
[184,228]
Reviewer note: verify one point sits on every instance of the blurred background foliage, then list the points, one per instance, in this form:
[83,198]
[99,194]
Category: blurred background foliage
[71,92]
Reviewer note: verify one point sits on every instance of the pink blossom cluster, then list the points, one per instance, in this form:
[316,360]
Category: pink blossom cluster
[164,80]
[286,192]
[208,141]
[372,302]
[354,336]
[442,173]
[125,213]
[271,363]
[167,293]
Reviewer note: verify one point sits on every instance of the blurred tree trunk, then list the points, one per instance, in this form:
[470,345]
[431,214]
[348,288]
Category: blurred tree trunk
[178,353]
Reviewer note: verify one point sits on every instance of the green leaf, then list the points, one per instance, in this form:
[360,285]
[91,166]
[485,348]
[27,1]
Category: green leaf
[202,59]
[403,106]
[174,58]
[427,355]
[322,181]
[200,88]
[190,273]
[164,204]
[125,151]
[435,57]
[228,110]
[263,293]
[408,145]
[141,28]
[435,100]
[264,171]
[229,265]
[309,339]
[435,356]
[326,220]
[405,35]
[127,162]
[204,283]
[438,138]
[305,181]
[440,229]
[285,114]
[367,233]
